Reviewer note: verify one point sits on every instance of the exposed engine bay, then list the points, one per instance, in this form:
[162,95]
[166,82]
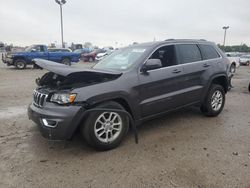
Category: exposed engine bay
[65,77]
[74,80]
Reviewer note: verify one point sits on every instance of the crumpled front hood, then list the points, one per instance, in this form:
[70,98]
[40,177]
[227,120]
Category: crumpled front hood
[65,70]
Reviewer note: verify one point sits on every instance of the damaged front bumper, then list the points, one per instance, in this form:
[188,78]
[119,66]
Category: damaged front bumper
[7,60]
[56,122]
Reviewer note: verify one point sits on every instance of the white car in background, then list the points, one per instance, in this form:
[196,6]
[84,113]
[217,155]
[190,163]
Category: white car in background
[245,60]
[107,51]
[234,61]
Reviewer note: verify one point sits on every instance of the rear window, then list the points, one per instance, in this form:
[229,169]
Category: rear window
[209,52]
[189,53]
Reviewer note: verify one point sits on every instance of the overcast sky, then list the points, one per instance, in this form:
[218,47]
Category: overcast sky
[105,22]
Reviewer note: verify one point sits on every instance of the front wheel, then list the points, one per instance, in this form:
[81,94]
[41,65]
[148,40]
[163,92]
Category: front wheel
[66,61]
[105,130]
[232,68]
[91,59]
[20,64]
[214,101]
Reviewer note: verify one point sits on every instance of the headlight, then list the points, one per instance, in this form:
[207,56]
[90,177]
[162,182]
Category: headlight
[63,98]
[9,56]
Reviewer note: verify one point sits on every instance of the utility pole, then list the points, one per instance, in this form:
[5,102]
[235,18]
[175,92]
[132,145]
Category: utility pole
[61,3]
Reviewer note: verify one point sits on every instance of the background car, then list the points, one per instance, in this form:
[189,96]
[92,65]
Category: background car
[105,52]
[89,57]
[234,62]
[245,60]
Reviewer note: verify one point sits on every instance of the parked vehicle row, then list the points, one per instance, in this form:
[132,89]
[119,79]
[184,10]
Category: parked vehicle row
[94,55]
[130,86]
[21,59]
[245,60]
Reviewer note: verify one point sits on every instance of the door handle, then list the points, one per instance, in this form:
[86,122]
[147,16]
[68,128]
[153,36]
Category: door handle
[176,71]
[206,65]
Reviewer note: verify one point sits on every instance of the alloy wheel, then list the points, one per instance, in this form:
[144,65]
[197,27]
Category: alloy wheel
[108,126]
[216,101]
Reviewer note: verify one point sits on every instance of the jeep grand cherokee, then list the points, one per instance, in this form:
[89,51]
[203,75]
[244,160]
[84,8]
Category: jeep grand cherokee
[132,85]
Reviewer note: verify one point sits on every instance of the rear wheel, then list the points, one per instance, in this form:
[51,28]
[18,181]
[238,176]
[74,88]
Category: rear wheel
[105,130]
[91,59]
[66,61]
[214,101]
[20,64]
[232,68]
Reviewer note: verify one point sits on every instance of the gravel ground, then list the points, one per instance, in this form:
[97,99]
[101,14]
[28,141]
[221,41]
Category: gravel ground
[182,149]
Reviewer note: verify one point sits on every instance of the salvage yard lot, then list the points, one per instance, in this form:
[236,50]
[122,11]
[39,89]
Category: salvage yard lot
[183,149]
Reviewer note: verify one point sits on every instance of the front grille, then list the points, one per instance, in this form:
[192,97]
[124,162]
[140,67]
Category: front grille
[39,98]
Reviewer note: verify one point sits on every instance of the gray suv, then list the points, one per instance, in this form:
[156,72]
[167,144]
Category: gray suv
[128,87]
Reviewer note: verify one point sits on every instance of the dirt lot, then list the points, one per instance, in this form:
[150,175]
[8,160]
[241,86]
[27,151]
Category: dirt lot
[183,149]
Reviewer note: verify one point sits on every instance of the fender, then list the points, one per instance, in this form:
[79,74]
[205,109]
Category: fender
[211,80]
[19,57]
[114,96]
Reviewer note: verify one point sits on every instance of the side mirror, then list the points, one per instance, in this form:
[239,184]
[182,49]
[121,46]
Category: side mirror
[33,50]
[151,64]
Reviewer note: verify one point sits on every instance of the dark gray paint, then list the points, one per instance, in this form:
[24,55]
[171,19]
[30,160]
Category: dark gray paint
[147,94]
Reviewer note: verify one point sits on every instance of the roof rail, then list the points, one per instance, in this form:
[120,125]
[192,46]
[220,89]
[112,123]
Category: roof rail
[169,39]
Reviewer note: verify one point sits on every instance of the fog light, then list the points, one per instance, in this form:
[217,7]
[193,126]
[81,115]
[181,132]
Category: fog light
[49,123]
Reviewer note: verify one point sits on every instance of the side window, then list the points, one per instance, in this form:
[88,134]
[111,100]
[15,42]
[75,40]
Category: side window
[37,48]
[209,52]
[42,49]
[166,54]
[189,53]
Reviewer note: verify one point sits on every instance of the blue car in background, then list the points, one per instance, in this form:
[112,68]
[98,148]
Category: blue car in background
[21,59]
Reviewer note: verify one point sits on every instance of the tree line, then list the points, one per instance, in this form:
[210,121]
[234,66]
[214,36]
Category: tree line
[235,48]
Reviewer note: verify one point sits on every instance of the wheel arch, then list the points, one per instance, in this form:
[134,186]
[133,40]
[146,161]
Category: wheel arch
[220,80]
[19,57]
[65,57]
[120,100]
[233,63]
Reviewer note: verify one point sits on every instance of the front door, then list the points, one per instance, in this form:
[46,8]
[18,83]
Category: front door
[40,52]
[159,88]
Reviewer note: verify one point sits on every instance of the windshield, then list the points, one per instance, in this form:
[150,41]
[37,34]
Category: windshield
[28,49]
[121,59]
[78,51]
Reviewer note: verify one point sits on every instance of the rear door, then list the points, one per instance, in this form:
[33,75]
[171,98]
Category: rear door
[159,88]
[195,70]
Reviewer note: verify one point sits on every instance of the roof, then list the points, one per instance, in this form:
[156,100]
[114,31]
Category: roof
[167,41]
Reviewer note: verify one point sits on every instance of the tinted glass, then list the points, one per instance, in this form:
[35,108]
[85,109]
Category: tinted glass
[166,54]
[209,52]
[121,59]
[189,53]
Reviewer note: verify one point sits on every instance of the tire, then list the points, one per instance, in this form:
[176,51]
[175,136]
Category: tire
[247,63]
[66,61]
[232,68]
[91,59]
[20,64]
[216,93]
[94,121]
